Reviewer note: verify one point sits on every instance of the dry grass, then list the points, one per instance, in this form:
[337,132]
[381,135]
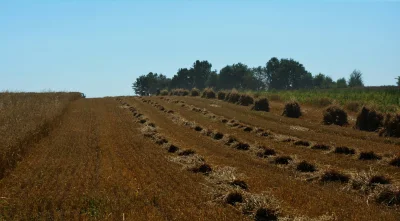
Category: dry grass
[26,118]
[353,106]
[110,160]
[97,165]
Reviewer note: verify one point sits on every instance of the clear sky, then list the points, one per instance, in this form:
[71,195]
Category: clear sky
[100,47]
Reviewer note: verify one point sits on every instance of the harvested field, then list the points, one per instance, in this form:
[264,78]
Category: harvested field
[193,158]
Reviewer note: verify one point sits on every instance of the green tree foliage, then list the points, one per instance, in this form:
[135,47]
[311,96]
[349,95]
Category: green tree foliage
[200,71]
[238,76]
[355,79]
[318,80]
[260,75]
[398,81]
[283,74]
[287,74]
[341,83]
[213,79]
[150,83]
[322,81]
[195,77]
[182,79]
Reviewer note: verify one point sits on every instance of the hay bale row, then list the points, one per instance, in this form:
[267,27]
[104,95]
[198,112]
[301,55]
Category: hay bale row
[164,92]
[369,120]
[179,92]
[232,96]
[245,100]
[261,104]
[391,126]
[335,115]
[195,92]
[221,95]
[208,93]
[292,110]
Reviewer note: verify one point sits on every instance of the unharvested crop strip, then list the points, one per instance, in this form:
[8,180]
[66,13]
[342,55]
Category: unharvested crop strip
[223,186]
[18,151]
[325,176]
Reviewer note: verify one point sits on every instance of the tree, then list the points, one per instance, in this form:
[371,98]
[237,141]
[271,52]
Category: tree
[212,80]
[322,81]
[162,82]
[398,81]
[237,76]
[250,82]
[274,80]
[200,73]
[225,77]
[141,85]
[196,76]
[355,79]
[260,75]
[182,79]
[328,82]
[287,74]
[150,83]
[306,80]
[318,80]
[341,83]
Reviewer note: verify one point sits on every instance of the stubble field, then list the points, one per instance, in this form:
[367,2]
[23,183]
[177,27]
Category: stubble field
[188,158]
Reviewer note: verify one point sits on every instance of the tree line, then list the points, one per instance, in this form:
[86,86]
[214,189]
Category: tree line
[277,74]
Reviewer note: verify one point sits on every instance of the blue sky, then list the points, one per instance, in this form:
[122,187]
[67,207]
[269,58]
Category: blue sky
[100,47]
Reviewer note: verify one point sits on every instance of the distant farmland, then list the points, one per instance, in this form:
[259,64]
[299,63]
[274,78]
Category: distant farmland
[200,157]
